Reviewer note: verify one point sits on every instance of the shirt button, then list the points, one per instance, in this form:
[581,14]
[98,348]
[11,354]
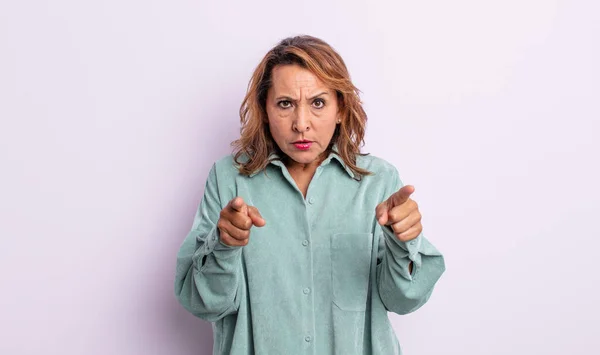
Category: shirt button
[311,200]
[306,291]
[305,242]
[307,339]
[412,242]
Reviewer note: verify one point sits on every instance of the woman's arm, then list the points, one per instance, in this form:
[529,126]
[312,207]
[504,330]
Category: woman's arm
[209,273]
[406,271]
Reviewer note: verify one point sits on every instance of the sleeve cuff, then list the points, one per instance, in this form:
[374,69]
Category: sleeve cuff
[211,243]
[404,252]
[412,247]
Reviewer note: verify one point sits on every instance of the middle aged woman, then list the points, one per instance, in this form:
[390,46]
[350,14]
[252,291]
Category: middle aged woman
[302,244]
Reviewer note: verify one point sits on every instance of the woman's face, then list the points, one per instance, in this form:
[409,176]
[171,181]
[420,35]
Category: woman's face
[300,108]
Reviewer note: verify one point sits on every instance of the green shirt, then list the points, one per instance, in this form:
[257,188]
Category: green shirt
[319,277]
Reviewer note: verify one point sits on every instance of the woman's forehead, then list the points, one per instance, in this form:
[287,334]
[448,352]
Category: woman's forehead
[294,78]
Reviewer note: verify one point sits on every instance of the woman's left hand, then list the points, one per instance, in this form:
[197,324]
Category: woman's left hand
[401,213]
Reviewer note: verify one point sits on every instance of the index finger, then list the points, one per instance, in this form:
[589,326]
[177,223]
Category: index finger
[402,195]
[237,204]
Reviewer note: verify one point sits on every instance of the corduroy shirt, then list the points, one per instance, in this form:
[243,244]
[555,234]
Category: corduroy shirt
[321,275]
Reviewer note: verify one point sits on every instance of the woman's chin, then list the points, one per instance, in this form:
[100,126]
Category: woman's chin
[303,157]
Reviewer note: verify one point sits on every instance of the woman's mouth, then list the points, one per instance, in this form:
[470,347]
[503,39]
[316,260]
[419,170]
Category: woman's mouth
[303,145]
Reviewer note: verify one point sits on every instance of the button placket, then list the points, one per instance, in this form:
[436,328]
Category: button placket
[310,210]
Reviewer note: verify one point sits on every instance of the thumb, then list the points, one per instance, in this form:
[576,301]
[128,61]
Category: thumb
[381,212]
[255,216]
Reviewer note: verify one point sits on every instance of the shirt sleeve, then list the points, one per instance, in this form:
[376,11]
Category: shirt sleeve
[208,272]
[400,291]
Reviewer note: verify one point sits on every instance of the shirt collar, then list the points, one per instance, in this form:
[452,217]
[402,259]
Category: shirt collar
[275,159]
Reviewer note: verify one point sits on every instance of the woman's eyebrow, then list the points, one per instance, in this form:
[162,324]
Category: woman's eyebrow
[310,98]
[317,95]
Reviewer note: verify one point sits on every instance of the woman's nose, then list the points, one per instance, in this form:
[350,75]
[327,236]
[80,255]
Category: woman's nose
[301,128]
[301,123]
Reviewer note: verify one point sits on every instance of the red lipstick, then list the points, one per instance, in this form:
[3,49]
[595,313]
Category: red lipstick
[303,144]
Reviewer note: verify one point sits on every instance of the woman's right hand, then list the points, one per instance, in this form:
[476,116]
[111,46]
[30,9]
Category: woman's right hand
[235,222]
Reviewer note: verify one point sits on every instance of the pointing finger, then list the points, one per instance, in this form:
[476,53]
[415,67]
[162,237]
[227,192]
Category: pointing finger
[238,205]
[402,195]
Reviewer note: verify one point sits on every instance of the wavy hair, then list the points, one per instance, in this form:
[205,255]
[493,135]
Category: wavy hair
[311,53]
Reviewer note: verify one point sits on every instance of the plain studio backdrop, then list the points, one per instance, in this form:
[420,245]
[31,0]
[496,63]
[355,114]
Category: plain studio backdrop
[112,113]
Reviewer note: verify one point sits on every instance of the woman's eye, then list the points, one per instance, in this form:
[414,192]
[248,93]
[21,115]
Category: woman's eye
[319,103]
[284,104]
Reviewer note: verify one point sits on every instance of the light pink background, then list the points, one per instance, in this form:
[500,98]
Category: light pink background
[112,112]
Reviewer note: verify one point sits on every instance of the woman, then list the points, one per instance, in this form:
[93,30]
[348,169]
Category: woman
[301,244]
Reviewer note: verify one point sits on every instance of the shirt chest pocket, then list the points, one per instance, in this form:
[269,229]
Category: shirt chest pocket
[350,270]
